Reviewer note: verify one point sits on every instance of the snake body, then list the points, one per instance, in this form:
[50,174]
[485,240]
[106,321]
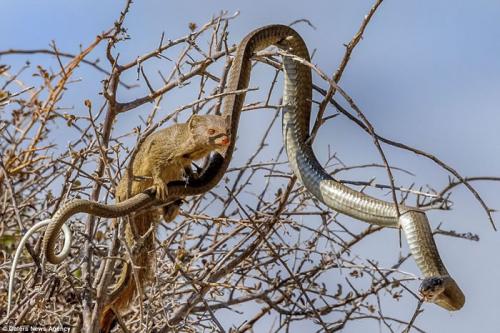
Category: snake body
[138,202]
[76,206]
[437,287]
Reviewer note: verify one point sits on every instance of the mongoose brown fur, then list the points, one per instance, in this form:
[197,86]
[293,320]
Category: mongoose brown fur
[162,157]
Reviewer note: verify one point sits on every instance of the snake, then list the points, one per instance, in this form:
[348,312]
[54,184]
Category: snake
[437,285]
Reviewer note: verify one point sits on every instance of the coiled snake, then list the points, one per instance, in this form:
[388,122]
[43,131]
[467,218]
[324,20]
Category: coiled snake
[437,286]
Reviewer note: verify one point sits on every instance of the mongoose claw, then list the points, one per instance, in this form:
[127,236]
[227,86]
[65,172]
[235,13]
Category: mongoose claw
[170,211]
[161,190]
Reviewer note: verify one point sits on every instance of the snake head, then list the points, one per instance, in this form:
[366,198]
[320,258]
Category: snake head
[431,288]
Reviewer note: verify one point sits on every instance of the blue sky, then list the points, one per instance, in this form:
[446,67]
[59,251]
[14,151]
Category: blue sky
[427,73]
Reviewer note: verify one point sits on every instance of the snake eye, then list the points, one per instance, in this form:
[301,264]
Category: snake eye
[211,131]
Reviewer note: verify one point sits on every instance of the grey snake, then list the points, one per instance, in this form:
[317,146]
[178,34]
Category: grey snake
[437,286]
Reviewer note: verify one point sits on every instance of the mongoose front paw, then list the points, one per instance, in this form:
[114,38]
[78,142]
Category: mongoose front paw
[161,190]
[170,211]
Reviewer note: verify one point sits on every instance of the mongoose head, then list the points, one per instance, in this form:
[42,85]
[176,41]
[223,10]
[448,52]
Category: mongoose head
[210,131]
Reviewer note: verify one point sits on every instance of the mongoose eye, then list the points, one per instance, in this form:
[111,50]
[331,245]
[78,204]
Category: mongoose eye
[211,131]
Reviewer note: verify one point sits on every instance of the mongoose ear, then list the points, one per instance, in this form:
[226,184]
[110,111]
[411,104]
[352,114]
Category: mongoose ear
[195,121]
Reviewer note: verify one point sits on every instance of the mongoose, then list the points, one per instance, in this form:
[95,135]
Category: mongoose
[162,157]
